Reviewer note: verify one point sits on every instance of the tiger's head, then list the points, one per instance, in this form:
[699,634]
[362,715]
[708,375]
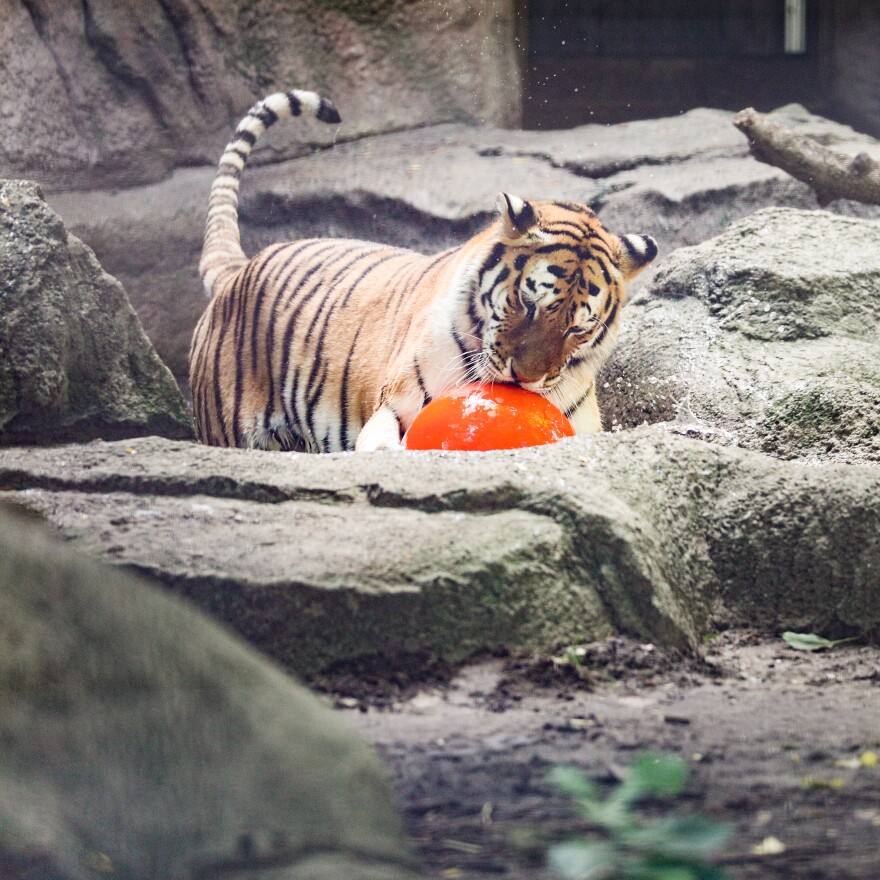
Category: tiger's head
[549,293]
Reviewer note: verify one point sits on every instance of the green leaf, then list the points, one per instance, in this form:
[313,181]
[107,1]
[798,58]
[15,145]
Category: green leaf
[582,860]
[812,642]
[653,775]
[612,814]
[573,782]
[650,871]
[679,838]
[672,869]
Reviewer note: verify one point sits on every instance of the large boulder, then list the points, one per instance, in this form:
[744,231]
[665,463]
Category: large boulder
[407,559]
[682,180]
[115,93]
[142,741]
[767,337]
[76,363]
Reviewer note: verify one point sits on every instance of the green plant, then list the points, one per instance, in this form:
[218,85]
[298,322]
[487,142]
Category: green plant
[629,847]
[812,642]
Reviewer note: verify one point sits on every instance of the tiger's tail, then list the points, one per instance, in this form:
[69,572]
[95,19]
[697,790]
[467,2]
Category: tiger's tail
[222,255]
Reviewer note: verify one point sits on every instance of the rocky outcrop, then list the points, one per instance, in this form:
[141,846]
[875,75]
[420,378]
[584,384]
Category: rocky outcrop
[767,336]
[412,558]
[682,180]
[76,363]
[109,94]
[140,740]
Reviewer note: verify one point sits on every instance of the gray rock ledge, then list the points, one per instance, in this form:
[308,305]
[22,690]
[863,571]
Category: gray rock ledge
[417,557]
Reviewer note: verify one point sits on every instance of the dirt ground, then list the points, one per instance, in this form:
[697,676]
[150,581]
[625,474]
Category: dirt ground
[764,728]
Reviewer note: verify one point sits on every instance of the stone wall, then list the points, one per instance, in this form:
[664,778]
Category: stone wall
[111,94]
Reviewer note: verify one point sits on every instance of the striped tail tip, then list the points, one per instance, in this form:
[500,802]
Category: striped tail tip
[327,112]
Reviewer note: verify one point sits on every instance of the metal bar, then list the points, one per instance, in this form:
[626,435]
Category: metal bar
[795,40]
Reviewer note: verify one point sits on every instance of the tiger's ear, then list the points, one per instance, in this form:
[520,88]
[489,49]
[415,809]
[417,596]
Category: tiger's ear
[636,252]
[517,215]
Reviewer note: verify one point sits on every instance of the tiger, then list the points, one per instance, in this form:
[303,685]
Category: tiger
[330,345]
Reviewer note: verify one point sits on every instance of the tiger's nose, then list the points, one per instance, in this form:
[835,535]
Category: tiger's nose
[522,376]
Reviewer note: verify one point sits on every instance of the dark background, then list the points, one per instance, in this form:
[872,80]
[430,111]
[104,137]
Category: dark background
[609,61]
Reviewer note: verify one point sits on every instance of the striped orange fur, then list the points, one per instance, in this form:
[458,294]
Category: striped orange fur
[328,344]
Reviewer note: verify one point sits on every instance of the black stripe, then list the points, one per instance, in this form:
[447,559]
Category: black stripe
[641,256]
[266,115]
[291,417]
[247,136]
[598,245]
[325,301]
[240,153]
[287,345]
[225,326]
[409,287]
[326,112]
[561,227]
[604,331]
[313,399]
[261,291]
[473,314]
[343,393]
[319,347]
[196,371]
[459,341]
[360,278]
[283,296]
[557,246]
[294,104]
[558,271]
[398,285]
[224,168]
[568,412]
[218,401]
[426,398]
[239,331]
[235,302]
[578,209]
[492,260]
[197,358]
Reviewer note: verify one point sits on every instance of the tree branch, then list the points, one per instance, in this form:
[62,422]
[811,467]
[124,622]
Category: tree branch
[831,175]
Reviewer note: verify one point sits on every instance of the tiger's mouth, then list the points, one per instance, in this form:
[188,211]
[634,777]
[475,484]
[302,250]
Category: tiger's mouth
[509,376]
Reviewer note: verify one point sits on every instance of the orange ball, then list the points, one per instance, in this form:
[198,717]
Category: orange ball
[480,417]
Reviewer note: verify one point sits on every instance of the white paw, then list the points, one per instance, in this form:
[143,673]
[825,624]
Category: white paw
[393,445]
[382,431]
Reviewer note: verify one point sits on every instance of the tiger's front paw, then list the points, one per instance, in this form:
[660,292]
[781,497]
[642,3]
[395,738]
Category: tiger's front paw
[382,431]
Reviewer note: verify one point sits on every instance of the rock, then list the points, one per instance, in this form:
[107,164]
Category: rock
[355,557]
[404,560]
[682,180]
[767,336]
[141,740]
[170,79]
[76,363]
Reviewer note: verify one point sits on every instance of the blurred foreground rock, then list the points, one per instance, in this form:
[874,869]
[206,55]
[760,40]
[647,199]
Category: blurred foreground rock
[141,741]
[681,179]
[410,558]
[75,362]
